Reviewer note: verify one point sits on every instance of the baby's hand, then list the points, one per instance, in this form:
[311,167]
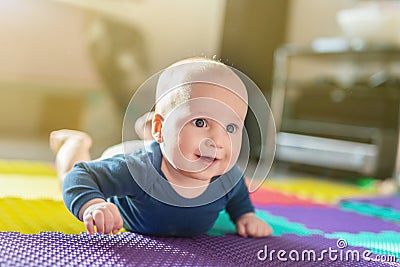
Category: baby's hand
[105,216]
[248,225]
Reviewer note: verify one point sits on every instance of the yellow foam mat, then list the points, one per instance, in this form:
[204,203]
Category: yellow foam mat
[35,216]
[31,201]
[28,180]
[321,191]
[26,167]
[28,187]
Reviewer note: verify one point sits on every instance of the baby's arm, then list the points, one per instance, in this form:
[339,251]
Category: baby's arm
[87,186]
[104,215]
[241,212]
[248,225]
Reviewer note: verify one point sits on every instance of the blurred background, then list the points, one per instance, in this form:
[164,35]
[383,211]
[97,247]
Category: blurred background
[330,70]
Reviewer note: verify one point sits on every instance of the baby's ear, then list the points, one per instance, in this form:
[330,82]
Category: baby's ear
[156,127]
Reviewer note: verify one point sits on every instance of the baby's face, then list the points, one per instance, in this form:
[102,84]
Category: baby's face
[202,137]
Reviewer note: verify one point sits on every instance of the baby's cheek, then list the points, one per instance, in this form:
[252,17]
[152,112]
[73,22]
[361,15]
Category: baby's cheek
[235,150]
[183,149]
[186,139]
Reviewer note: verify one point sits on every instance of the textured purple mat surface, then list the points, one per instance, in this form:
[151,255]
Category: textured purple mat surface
[129,249]
[392,202]
[330,219]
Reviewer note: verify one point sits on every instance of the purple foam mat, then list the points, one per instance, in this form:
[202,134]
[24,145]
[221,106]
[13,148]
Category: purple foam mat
[129,249]
[392,202]
[331,219]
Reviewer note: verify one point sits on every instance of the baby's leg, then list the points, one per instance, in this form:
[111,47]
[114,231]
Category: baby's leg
[70,147]
[126,147]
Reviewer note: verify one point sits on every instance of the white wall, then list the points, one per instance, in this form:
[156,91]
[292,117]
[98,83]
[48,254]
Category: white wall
[42,42]
[43,52]
[310,19]
[173,29]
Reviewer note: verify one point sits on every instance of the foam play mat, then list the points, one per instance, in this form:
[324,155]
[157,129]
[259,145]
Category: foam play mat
[316,222]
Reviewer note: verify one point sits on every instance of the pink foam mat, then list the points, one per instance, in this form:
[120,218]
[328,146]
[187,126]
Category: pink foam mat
[265,196]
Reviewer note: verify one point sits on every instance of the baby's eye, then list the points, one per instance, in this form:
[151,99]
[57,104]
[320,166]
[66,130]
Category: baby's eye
[200,123]
[231,128]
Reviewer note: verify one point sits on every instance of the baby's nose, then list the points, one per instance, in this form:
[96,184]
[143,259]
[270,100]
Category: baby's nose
[208,142]
[216,137]
[208,148]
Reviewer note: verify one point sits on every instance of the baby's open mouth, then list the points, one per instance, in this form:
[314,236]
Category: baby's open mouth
[207,159]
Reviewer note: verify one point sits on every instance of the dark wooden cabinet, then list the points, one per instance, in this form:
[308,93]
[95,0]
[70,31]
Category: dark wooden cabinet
[338,108]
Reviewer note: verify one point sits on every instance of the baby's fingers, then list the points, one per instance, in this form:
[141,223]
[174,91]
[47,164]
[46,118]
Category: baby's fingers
[259,229]
[252,229]
[267,230]
[241,229]
[109,221]
[106,218]
[88,221]
[118,222]
[98,217]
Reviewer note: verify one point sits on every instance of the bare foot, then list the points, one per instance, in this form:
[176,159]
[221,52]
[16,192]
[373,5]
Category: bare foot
[61,137]
[70,147]
[143,126]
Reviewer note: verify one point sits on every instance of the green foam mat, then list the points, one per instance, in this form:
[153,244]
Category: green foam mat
[383,243]
[280,225]
[372,210]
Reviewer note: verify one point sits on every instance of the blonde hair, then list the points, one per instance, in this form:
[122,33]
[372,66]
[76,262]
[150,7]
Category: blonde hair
[174,83]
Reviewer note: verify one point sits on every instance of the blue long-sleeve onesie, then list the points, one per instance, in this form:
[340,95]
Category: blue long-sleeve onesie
[133,182]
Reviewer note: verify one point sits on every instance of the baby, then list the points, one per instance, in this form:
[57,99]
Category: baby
[178,184]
